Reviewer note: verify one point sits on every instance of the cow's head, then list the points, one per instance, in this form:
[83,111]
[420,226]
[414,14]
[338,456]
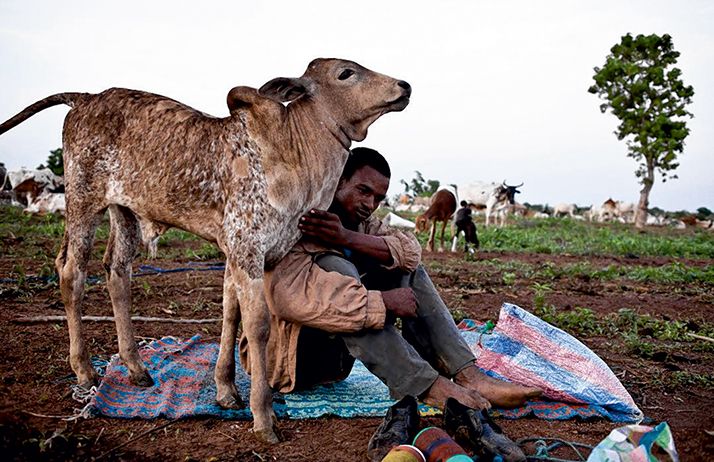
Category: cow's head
[420,223]
[509,192]
[350,95]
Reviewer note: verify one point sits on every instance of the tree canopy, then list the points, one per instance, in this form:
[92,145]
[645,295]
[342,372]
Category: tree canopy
[55,162]
[640,86]
[418,186]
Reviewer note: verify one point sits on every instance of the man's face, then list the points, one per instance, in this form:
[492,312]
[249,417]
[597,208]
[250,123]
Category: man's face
[359,196]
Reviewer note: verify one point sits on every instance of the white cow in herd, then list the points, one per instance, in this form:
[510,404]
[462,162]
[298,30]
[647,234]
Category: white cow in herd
[564,209]
[494,197]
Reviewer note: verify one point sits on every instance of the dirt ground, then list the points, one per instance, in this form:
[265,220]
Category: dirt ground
[36,374]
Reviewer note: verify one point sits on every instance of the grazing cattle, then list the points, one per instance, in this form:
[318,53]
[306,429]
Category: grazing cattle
[30,184]
[488,195]
[655,220]
[407,203]
[47,203]
[442,206]
[564,209]
[705,224]
[502,211]
[608,210]
[625,211]
[242,182]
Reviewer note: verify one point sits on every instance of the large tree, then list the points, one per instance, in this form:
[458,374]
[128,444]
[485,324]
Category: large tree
[641,86]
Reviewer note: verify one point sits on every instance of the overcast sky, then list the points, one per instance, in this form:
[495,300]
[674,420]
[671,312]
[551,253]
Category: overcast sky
[499,87]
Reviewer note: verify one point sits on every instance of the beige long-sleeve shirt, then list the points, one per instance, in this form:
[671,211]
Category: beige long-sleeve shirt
[300,293]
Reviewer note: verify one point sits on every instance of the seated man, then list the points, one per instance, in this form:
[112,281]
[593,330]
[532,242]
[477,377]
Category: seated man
[336,295]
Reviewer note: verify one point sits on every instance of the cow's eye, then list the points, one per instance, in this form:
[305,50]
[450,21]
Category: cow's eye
[346,74]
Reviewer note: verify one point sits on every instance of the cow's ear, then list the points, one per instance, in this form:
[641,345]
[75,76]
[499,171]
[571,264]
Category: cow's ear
[283,89]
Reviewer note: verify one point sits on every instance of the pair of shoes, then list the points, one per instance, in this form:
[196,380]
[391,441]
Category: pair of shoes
[476,427]
[398,427]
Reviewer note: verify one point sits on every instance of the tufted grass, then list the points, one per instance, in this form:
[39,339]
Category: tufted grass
[573,237]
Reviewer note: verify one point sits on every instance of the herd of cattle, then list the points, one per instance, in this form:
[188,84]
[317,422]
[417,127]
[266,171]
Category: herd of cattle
[497,201]
[41,191]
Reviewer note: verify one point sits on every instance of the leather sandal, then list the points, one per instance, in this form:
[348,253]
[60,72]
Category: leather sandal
[476,427]
[398,427]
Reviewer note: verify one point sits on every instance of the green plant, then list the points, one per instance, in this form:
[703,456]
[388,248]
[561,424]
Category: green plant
[685,380]
[637,346]
[458,314]
[540,291]
[207,251]
[146,287]
[509,278]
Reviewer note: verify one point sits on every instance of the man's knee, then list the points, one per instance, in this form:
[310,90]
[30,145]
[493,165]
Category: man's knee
[331,262]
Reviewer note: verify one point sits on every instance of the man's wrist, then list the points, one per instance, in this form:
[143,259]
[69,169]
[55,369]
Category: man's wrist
[348,239]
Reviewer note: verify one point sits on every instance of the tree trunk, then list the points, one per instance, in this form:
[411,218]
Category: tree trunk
[641,213]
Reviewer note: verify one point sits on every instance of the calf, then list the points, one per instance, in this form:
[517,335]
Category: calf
[464,223]
[241,181]
[442,206]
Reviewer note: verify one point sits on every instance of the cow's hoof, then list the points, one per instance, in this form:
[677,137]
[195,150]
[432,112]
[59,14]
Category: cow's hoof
[230,402]
[88,384]
[267,435]
[142,380]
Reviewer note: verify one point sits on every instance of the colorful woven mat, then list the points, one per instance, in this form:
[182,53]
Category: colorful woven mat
[521,348]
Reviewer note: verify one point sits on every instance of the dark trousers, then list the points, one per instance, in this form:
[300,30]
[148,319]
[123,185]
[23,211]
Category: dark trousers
[408,362]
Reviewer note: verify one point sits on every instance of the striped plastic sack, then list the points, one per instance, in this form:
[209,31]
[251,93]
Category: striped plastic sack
[525,349]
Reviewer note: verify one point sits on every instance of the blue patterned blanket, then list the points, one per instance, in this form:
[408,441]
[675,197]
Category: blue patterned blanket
[577,382]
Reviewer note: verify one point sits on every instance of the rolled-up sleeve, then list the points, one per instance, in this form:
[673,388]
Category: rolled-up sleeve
[403,245]
[300,291]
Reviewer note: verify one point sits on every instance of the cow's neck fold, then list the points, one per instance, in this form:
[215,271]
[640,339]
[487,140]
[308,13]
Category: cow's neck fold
[315,139]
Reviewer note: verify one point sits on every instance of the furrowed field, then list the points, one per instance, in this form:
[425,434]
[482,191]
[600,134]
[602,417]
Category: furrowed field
[643,301]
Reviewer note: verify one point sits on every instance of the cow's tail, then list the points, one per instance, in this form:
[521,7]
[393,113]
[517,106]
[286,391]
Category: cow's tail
[70,99]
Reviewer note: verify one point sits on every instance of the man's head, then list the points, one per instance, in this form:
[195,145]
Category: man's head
[363,185]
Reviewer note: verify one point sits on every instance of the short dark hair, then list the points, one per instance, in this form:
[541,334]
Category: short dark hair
[360,157]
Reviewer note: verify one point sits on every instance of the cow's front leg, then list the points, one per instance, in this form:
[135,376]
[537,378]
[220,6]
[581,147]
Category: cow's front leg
[245,291]
[224,375]
[256,327]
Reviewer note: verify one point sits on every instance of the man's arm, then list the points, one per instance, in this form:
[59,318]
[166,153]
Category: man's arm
[327,227]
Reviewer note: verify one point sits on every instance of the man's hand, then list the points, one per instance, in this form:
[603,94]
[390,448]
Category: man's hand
[402,302]
[324,226]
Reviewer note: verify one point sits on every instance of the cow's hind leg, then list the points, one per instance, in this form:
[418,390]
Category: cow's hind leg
[71,265]
[124,239]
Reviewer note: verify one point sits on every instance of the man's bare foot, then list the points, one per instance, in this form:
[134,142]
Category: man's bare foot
[499,393]
[443,388]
